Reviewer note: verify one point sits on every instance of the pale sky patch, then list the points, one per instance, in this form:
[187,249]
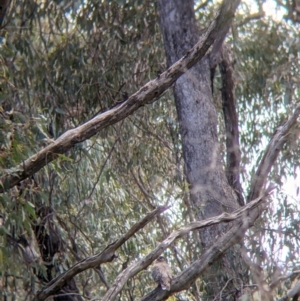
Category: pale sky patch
[270,8]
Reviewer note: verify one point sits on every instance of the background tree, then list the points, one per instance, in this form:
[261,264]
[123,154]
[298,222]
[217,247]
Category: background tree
[64,62]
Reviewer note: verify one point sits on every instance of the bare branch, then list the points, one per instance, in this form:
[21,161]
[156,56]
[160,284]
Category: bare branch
[146,261]
[280,137]
[255,16]
[215,55]
[149,92]
[107,255]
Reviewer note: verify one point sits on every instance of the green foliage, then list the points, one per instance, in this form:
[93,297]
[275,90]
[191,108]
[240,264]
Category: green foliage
[63,62]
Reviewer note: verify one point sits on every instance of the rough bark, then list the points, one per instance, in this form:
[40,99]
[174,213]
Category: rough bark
[210,192]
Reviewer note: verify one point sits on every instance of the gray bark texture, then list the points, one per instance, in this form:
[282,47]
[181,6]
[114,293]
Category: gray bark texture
[210,192]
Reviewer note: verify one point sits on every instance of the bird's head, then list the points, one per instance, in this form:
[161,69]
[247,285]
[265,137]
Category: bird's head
[161,259]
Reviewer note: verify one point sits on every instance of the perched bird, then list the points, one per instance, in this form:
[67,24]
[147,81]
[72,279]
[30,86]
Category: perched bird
[30,254]
[161,273]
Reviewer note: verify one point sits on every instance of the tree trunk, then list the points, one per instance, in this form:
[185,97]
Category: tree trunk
[210,192]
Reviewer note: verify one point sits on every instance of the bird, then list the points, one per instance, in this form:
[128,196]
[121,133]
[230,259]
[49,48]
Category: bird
[29,252]
[161,273]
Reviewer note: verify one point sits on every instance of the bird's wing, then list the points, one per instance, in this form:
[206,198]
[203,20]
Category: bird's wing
[165,282]
[167,270]
[156,273]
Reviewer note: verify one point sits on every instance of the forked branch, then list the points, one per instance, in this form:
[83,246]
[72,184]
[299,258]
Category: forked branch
[246,217]
[108,254]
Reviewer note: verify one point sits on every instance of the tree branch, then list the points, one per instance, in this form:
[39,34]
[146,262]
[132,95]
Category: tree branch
[202,5]
[146,261]
[233,152]
[279,138]
[107,255]
[184,279]
[255,16]
[149,92]
[215,251]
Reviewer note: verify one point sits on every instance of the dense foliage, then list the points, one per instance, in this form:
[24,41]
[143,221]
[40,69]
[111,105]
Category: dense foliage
[62,62]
